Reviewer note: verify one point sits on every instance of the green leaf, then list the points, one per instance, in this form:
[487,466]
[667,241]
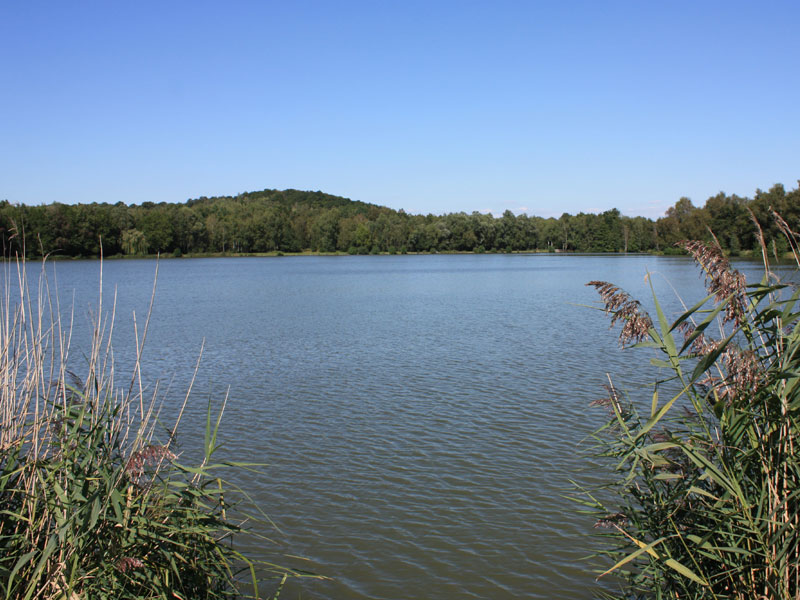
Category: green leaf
[688,314]
[686,572]
[653,421]
[95,513]
[700,329]
[709,359]
[21,562]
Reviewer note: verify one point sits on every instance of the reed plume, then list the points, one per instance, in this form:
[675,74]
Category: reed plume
[708,497]
[636,322]
[723,281]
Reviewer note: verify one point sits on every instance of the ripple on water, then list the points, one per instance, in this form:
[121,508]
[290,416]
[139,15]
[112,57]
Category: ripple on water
[421,416]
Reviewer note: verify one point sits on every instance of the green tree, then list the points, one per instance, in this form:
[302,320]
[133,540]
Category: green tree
[134,242]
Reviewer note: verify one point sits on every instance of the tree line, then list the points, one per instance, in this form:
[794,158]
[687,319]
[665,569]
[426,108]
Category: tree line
[295,221]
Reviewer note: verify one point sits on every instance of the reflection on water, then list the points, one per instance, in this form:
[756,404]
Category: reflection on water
[422,416]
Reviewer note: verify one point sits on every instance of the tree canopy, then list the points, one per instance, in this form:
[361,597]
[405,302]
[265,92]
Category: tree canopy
[294,221]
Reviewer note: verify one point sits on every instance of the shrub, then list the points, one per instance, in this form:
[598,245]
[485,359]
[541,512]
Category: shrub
[706,497]
[92,503]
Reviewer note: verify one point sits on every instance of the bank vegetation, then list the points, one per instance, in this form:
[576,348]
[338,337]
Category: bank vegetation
[292,221]
[95,498]
[705,501]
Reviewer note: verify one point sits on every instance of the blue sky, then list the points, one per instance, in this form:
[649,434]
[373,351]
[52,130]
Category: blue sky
[542,107]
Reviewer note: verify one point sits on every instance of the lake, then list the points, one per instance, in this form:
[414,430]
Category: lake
[422,417]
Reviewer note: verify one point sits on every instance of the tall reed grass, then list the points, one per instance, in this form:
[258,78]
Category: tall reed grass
[706,497]
[94,501]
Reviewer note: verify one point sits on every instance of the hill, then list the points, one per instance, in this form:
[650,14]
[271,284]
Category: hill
[295,221]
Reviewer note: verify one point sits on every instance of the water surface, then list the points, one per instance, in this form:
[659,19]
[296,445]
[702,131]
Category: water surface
[422,416]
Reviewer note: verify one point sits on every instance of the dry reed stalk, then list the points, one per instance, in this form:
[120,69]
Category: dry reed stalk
[740,436]
[781,483]
[91,503]
[37,388]
[791,236]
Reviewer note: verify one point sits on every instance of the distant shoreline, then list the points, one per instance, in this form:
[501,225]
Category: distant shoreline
[746,255]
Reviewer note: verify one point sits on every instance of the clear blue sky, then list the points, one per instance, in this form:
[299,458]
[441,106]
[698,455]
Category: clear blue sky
[542,107]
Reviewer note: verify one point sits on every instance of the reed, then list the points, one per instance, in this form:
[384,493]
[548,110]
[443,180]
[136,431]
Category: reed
[706,495]
[94,500]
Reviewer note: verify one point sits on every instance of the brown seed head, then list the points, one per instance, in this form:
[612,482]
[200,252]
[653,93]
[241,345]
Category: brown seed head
[636,322]
[611,521]
[610,400]
[722,280]
[149,455]
[127,563]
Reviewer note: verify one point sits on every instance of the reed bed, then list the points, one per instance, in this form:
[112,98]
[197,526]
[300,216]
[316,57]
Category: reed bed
[94,499]
[707,489]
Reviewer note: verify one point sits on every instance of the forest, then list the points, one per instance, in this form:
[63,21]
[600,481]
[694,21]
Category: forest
[299,221]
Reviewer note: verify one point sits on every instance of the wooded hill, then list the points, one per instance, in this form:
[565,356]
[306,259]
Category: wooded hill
[294,221]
